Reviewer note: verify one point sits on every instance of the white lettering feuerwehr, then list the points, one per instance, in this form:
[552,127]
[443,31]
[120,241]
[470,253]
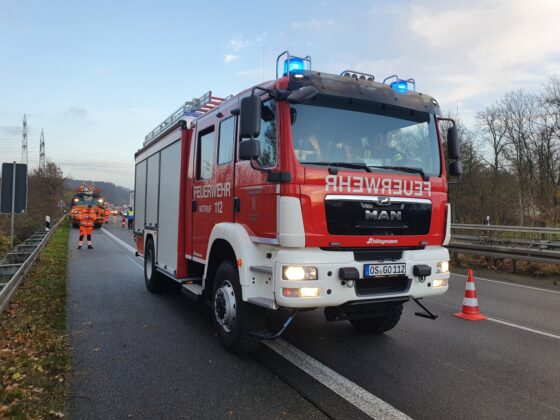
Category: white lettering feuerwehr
[373,186]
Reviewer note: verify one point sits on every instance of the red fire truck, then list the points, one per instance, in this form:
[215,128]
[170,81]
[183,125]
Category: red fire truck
[309,191]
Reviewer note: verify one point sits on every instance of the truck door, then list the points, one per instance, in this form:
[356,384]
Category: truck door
[213,181]
[257,197]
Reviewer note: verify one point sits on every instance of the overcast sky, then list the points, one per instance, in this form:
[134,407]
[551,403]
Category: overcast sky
[98,75]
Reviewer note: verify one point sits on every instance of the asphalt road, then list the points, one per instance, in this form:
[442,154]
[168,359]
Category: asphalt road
[156,356]
[138,355]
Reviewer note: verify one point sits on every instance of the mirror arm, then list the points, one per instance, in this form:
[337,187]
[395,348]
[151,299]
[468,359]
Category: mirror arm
[269,91]
[258,167]
[272,176]
[275,94]
[451,120]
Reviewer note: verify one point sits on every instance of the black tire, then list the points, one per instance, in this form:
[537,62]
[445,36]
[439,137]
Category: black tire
[152,278]
[75,225]
[234,327]
[386,321]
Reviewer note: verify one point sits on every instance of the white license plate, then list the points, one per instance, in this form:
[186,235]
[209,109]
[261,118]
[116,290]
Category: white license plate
[374,270]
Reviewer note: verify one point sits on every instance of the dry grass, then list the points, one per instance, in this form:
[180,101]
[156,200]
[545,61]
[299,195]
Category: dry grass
[34,351]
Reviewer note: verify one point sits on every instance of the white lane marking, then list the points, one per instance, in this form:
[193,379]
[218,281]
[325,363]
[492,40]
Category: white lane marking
[109,241]
[354,394]
[139,266]
[509,284]
[499,321]
[120,241]
[521,327]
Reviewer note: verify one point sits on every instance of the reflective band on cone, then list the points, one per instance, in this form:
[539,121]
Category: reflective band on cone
[471,310]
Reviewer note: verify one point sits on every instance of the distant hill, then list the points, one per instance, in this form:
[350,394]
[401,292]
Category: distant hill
[112,193]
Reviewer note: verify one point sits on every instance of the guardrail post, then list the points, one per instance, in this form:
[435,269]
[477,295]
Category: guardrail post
[514,265]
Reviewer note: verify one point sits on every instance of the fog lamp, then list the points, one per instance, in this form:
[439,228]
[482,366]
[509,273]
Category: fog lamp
[439,283]
[304,292]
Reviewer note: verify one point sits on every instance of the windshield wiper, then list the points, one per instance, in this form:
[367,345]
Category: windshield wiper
[343,165]
[405,169]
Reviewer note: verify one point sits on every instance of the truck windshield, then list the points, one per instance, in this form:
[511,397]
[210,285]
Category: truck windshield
[377,137]
[86,200]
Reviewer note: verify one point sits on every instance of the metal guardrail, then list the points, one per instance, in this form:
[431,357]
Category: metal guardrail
[502,228]
[515,248]
[18,262]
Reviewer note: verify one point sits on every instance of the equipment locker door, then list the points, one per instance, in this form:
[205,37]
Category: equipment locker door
[213,181]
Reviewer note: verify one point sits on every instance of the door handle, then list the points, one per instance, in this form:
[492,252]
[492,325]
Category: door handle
[236,204]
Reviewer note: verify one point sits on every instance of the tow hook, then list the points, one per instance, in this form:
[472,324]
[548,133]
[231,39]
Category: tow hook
[427,313]
[267,335]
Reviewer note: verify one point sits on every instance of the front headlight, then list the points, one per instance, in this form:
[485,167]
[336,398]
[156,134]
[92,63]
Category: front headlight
[442,266]
[297,273]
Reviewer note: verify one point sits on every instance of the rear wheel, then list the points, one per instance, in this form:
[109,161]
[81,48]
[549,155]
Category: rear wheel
[384,322]
[152,278]
[234,319]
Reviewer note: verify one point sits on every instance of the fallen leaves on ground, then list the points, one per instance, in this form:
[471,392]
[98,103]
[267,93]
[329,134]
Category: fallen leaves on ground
[34,352]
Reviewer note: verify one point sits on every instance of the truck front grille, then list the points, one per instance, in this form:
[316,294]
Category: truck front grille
[352,217]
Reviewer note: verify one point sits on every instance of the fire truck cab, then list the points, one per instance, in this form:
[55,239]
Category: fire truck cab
[309,191]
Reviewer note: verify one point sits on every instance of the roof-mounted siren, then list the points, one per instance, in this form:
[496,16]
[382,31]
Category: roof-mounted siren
[293,65]
[401,85]
[358,75]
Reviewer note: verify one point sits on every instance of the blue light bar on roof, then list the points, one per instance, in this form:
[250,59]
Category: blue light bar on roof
[399,86]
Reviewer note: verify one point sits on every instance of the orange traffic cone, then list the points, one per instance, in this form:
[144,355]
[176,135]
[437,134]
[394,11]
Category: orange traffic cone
[471,310]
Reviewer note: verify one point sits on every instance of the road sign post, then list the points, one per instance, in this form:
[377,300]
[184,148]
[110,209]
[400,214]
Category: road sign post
[13,205]
[13,197]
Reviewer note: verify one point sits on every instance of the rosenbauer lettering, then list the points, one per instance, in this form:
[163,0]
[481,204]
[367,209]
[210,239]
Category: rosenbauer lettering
[384,186]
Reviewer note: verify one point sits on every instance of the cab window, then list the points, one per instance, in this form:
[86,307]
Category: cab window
[267,136]
[205,154]
[225,142]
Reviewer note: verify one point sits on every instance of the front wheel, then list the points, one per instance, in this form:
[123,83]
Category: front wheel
[234,319]
[152,278]
[385,321]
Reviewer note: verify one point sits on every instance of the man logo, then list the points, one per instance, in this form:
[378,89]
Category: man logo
[393,215]
[384,201]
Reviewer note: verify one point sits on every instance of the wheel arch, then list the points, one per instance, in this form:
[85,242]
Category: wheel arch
[240,247]
[221,250]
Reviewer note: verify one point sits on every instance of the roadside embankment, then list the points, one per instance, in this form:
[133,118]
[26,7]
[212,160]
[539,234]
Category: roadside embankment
[34,351]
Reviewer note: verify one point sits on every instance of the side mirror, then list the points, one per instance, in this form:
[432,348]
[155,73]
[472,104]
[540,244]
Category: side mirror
[250,121]
[302,94]
[455,168]
[249,149]
[453,147]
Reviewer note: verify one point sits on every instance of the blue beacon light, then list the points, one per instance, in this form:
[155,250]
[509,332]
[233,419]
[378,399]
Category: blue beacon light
[400,86]
[293,65]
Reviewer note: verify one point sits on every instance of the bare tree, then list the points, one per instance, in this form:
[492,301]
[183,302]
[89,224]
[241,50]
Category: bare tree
[518,109]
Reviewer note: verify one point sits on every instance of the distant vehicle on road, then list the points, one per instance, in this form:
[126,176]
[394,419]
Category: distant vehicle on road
[85,195]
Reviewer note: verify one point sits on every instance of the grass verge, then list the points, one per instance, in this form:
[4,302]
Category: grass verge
[34,350]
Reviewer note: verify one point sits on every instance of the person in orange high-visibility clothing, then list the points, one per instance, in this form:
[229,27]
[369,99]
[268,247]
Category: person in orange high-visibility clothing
[87,218]
[107,214]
